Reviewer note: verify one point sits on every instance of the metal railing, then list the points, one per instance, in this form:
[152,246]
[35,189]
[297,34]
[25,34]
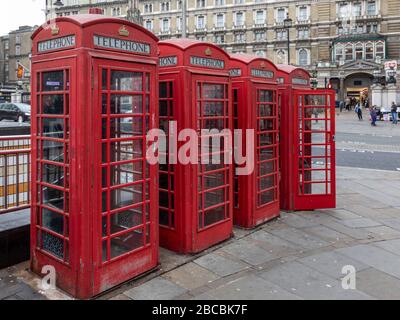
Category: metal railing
[15,160]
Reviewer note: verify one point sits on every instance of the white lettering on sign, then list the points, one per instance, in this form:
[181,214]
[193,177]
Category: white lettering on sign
[168,61]
[300,81]
[207,62]
[55,44]
[235,72]
[262,73]
[119,44]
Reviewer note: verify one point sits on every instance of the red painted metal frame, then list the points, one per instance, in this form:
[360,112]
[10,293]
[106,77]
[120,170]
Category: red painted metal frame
[186,233]
[81,270]
[294,82]
[252,76]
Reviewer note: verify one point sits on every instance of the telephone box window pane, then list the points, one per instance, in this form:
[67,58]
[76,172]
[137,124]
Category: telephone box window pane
[266,183]
[104,78]
[214,180]
[53,175]
[126,243]
[124,104]
[214,216]
[127,196]
[53,221]
[163,90]
[126,220]
[53,104]
[126,173]
[213,91]
[53,151]
[104,225]
[266,110]
[214,197]
[126,127]
[53,128]
[164,218]
[124,150]
[53,198]
[266,197]
[266,96]
[147,82]
[53,245]
[53,81]
[126,81]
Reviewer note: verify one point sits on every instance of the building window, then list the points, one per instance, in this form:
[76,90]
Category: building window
[116,12]
[372,28]
[219,39]
[357,9]
[149,25]
[259,36]
[201,22]
[201,38]
[17,50]
[280,15]
[303,33]
[303,57]
[343,10]
[219,3]
[369,51]
[18,39]
[6,45]
[349,53]
[179,23]
[371,8]
[200,3]
[239,19]
[339,53]
[260,53]
[281,57]
[179,5]
[281,34]
[303,14]
[380,50]
[148,8]
[260,17]
[165,25]
[239,1]
[164,6]
[240,38]
[220,20]
[359,51]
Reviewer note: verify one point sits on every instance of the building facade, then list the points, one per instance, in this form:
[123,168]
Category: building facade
[343,43]
[15,50]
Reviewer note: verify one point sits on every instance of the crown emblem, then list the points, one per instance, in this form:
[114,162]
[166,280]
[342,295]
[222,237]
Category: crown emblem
[123,32]
[262,64]
[55,30]
[208,52]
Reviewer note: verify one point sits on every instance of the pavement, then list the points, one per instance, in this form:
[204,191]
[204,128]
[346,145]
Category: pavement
[298,256]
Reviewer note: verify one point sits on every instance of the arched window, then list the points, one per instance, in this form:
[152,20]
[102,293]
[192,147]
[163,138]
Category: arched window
[260,53]
[281,57]
[339,53]
[380,50]
[359,51]
[369,51]
[349,53]
[303,57]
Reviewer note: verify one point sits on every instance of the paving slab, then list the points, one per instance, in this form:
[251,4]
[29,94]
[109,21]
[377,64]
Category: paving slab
[251,288]
[331,263]
[378,284]
[390,245]
[156,289]
[249,252]
[219,265]
[296,221]
[360,223]
[375,257]
[385,232]
[327,234]
[191,276]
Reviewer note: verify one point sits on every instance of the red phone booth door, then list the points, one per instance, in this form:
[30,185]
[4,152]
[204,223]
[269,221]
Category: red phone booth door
[315,142]
[126,232]
[267,154]
[211,100]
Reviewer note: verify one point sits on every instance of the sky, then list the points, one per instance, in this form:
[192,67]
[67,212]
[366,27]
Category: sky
[15,13]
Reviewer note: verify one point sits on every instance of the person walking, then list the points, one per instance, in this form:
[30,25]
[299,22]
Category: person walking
[373,116]
[358,110]
[341,105]
[393,109]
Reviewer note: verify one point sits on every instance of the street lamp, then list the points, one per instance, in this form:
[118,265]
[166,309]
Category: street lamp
[288,24]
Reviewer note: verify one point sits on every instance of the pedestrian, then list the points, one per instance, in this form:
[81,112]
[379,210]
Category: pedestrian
[394,112]
[373,116]
[358,110]
[341,105]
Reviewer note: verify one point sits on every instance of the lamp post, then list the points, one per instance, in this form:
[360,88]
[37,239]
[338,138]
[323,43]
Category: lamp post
[288,24]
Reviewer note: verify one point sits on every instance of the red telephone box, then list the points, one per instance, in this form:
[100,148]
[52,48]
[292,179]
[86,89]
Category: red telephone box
[308,157]
[255,107]
[94,196]
[195,198]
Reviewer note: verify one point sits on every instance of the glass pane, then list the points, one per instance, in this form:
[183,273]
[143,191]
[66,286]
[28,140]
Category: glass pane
[53,81]
[53,151]
[126,173]
[213,91]
[52,174]
[124,104]
[53,245]
[266,110]
[126,127]
[266,197]
[53,104]
[214,180]
[53,198]
[214,197]
[164,217]
[127,196]
[104,78]
[126,81]
[53,128]
[163,90]
[126,243]
[126,150]
[266,183]
[53,221]
[214,216]
[126,220]
[266,96]
[213,109]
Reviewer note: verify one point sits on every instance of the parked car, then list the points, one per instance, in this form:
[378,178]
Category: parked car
[19,112]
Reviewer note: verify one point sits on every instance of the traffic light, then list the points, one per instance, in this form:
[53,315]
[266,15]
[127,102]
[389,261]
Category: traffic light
[20,71]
